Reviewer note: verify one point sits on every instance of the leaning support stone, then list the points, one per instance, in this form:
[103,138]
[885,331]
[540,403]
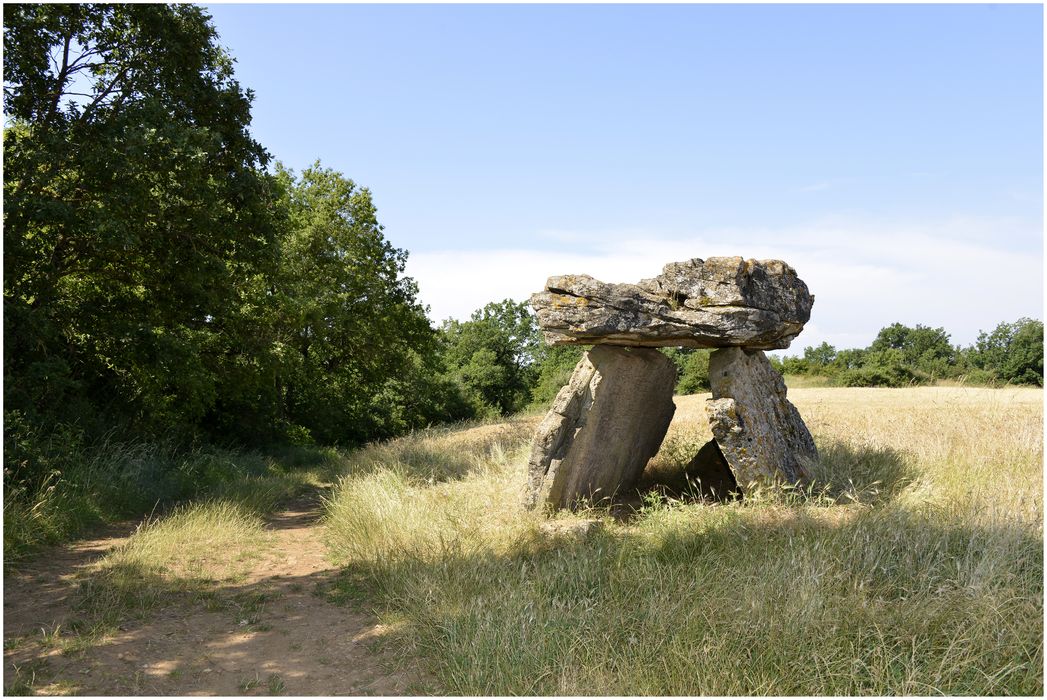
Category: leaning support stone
[603,428]
[760,433]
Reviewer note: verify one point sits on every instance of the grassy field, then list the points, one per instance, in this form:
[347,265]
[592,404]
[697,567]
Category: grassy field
[914,566]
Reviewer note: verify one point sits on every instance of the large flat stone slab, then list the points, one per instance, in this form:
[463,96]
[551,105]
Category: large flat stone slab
[603,427]
[719,302]
[760,432]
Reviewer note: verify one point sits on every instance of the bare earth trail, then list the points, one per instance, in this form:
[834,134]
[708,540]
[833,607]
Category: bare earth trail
[288,630]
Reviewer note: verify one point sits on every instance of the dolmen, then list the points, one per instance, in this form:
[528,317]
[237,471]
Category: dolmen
[610,418]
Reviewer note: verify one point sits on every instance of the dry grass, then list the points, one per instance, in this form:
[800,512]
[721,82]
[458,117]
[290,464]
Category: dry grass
[193,551]
[914,567]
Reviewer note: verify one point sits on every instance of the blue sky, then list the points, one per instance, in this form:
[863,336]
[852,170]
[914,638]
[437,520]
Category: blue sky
[893,154]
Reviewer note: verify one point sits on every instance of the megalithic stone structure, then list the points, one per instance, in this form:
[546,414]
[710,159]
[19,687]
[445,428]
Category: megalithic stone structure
[611,417]
[603,427]
[760,433]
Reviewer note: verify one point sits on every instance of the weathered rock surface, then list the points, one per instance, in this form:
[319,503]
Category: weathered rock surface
[760,432]
[603,427]
[709,472]
[719,302]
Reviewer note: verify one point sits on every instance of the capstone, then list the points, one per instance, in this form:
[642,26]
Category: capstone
[718,302]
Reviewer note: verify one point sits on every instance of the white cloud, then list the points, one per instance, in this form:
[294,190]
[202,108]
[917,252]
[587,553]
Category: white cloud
[864,277]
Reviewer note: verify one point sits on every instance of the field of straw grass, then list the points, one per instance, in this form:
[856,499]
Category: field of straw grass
[914,565]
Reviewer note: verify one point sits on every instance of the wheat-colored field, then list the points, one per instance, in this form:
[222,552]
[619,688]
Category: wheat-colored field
[913,566]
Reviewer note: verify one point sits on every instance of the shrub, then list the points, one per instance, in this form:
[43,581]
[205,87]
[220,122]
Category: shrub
[884,375]
[694,375]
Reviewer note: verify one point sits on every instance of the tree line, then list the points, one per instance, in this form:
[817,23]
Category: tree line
[1012,353]
[159,273]
[163,276]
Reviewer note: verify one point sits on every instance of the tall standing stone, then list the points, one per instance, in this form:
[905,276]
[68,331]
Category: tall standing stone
[603,427]
[760,433]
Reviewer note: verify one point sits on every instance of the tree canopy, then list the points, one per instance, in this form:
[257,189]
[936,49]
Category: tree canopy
[134,208]
[157,274]
[493,355]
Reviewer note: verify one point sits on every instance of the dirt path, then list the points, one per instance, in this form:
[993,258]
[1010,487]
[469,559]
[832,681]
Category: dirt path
[276,632]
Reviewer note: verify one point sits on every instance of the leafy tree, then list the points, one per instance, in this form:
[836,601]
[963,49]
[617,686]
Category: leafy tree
[493,355]
[1012,352]
[923,348]
[134,209]
[420,394]
[821,356]
[346,319]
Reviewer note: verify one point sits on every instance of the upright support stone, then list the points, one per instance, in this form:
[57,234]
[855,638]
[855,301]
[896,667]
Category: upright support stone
[603,427]
[760,433]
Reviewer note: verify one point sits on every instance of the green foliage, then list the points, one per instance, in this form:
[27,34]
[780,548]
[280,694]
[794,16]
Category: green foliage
[900,356]
[156,276]
[923,348]
[344,327]
[1011,353]
[821,356]
[492,356]
[134,210]
[692,369]
[159,284]
[554,369]
[883,375]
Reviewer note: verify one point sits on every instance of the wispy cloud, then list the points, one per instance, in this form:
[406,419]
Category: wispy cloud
[863,276]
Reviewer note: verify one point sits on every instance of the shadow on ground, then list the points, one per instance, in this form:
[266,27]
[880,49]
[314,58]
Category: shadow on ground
[844,473]
[290,628]
[846,590]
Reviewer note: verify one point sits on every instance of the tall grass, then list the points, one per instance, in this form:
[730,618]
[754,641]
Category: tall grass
[914,566]
[188,551]
[72,485]
[197,548]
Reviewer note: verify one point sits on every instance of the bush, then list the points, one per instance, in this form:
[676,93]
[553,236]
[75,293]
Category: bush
[1012,353]
[884,375]
[693,378]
